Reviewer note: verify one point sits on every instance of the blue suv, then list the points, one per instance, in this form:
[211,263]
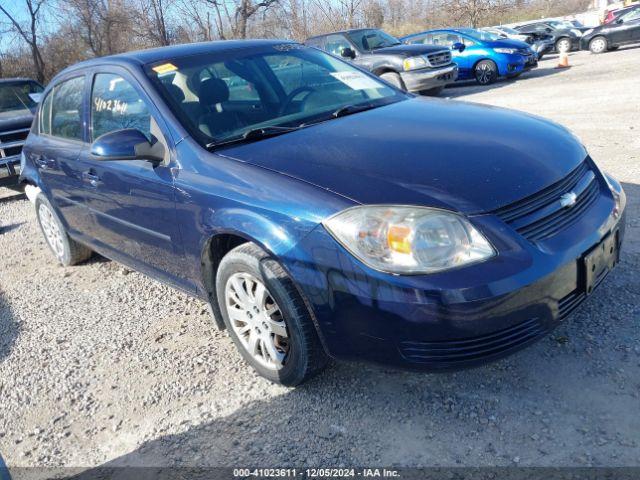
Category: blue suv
[318,210]
[480,55]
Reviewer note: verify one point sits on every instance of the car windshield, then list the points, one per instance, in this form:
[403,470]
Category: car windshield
[372,39]
[231,95]
[481,35]
[15,95]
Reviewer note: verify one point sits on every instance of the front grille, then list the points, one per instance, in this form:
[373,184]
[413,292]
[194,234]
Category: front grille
[459,351]
[543,215]
[439,59]
[11,142]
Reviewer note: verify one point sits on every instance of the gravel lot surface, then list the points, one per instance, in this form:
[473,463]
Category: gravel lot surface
[102,365]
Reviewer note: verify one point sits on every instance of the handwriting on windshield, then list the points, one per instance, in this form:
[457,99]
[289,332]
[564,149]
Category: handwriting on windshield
[112,105]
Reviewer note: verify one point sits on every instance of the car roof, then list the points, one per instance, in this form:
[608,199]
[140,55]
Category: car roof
[153,55]
[461,31]
[17,79]
[350,30]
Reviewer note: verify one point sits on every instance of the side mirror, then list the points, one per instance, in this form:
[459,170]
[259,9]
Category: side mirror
[620,20]
[348,53]
[127,144]
[549,30]
[458,46]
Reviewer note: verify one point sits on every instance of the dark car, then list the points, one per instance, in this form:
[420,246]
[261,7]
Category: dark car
[415,68]
[326,214]
[18,101]
[625,29]
[564,39]
[541,43]
[480,55]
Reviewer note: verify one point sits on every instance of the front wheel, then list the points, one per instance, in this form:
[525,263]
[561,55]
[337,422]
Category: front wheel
[598,45]
[486,72]
[563,45]
[267,318]
[66,250]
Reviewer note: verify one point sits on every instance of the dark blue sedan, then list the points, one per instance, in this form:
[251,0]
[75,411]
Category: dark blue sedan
[481,55]
[319,211]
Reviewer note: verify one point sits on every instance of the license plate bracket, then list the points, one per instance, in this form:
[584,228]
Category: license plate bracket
[599,261]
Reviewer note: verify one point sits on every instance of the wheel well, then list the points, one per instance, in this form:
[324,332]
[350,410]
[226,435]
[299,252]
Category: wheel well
[384,70]
[213,253]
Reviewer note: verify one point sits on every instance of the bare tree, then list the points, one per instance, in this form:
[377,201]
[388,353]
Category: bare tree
[474,12]
[153,14]
[30,33]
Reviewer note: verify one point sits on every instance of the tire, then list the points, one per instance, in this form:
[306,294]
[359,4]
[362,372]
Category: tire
[394,79]
[598,45]
[66,250]
[433,92]
[563,45]
[297,351]
[485,72]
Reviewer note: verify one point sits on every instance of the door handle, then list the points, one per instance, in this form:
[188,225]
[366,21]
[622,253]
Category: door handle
[91,177]
[44,162]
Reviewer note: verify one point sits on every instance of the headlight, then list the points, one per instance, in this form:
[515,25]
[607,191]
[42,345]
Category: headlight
[414,63]
[587,32]
[510,51]
[409,240]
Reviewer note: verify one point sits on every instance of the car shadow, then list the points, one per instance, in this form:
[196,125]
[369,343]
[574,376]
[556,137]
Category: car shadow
[466,87]
[9,327]
[8,228]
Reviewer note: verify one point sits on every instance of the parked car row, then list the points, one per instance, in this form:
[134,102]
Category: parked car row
[428,61]
[620,27]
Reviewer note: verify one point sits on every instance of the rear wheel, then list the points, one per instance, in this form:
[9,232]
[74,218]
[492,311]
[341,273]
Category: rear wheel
[66,250]
[394,79]
[267,318]
[563,45]
[486,72]
[598,45]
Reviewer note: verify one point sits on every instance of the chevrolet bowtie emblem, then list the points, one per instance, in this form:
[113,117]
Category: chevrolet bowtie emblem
[568,199]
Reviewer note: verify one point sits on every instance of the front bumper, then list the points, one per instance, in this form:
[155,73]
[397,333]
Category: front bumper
[426,78]
[9,171]
[453,319]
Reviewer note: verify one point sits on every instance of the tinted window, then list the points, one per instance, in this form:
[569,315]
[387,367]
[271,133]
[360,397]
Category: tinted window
[116,105]
[15,95]
[66,109]
[632,15]
[446,39]
[372,39]
[335,44]
[422,39]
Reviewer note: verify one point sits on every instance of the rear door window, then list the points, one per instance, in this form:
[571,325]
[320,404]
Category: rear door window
[62,110]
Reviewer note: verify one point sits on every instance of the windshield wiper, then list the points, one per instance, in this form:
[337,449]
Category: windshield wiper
[349,109]
[254,134]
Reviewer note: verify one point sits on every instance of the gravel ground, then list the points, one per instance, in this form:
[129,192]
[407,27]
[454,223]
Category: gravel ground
[102,365]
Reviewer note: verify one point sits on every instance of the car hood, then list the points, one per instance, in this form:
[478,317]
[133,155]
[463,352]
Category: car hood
[440,153]
[408,50]
[507,43]
[15,119]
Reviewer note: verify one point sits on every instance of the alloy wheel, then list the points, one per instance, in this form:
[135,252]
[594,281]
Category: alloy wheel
[563,45]
[598,45]
[257,320]
[484,73]
[51,230]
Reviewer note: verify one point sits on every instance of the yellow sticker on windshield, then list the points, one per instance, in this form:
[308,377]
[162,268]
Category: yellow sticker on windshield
[165,68]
